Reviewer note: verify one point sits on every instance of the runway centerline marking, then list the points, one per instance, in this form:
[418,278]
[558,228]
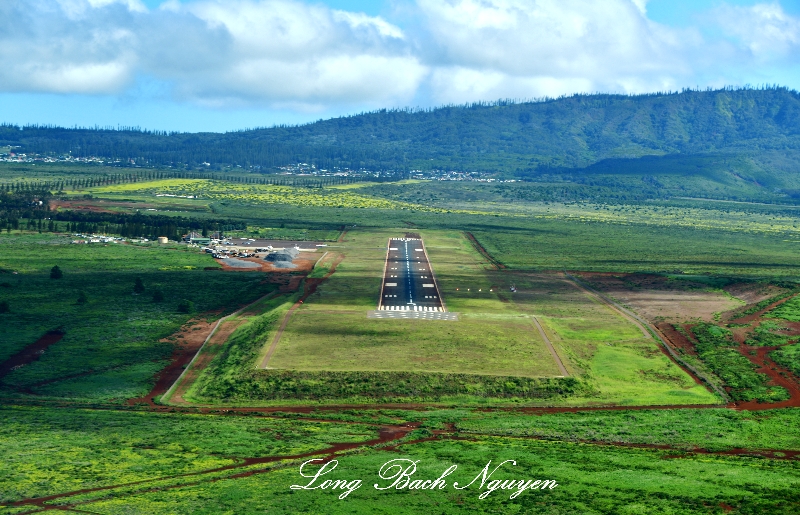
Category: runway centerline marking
[409,276]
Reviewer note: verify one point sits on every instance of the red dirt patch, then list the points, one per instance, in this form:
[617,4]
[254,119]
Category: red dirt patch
[656,298]
[777,375]
[97,206]
[30,353]
[183,352]
[224,332]
[678,340]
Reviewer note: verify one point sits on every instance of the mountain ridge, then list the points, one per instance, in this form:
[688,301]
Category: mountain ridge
[504,137]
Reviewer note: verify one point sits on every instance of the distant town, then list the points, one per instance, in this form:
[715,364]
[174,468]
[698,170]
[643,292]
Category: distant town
[298,169]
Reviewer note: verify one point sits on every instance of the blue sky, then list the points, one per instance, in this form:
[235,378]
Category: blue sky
[216,65]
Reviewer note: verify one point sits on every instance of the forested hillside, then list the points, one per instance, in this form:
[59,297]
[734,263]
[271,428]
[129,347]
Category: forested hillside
[522,139]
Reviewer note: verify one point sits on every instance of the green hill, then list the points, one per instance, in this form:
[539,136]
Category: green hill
[745,142]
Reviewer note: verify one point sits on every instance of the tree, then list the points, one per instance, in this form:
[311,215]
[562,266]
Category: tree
[82,299]
[158,296]
[4,307]
[185,306]
[138,287]
[56,273]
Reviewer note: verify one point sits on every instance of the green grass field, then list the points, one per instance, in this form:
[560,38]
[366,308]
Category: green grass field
[588,454]
[473,390]
[494,336]
[53,451]
[114,343]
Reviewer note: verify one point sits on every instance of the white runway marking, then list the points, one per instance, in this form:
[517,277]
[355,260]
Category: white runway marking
[420,315]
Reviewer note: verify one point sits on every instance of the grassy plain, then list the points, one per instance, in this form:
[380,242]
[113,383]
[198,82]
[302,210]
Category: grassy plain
[585,453]
[494,336]
[591,479]
[49,451]
[489,338]
[115,343]
[112,349]
[686,236]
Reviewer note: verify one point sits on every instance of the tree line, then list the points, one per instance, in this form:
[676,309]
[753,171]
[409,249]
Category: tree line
[62,185]
[30,209]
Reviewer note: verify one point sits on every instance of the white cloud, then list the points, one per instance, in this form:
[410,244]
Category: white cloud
[214,52]
[765,30]
[361,20]
[307,56]
[547,47]
[641,5]
[283,51]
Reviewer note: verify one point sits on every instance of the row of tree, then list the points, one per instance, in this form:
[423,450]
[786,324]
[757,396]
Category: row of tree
[62,185]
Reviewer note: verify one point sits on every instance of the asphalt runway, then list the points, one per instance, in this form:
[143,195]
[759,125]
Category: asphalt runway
[408,281]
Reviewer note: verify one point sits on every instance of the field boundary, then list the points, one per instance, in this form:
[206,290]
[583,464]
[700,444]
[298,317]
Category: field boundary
[655,332]
[635,320]
[483,252]
[170,391]
[550,347]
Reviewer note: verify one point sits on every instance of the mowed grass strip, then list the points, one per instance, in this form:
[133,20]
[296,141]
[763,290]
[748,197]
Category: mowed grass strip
[474,345]
[494,336]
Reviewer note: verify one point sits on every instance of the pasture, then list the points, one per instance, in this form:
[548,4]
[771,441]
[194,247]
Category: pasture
[601,461]
[117,340]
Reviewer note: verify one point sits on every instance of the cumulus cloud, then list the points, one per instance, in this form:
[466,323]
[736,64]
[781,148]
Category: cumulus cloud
[57,47]
[548,47]
[304,55]
[283,52]
[214,52]
[765,30]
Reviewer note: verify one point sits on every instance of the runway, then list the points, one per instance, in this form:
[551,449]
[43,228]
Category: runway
[408,280]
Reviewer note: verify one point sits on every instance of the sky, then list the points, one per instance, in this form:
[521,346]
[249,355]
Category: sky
[220,65]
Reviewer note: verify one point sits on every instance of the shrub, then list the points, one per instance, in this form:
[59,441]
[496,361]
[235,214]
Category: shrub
[4,307]
[56,273]
[158,296]
[82,299]
[138,286]
[185,306]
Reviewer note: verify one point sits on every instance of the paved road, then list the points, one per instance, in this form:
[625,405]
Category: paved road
[408,283]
